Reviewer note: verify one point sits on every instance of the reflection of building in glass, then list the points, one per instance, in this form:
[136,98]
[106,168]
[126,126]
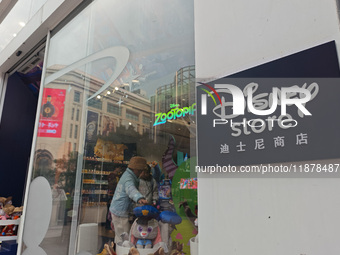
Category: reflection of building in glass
[114,108]
[180,93]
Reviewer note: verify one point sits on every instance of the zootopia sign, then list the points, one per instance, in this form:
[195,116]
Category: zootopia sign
[174,113]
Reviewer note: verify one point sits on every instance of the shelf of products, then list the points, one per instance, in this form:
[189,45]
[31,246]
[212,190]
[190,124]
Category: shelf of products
[4,223]
[106,160]
[97,188]
[7,238]
[91,204]
[94,181]
[94,192]
[96,172]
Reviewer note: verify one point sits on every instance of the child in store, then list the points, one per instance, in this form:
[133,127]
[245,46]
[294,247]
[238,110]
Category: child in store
[148,187]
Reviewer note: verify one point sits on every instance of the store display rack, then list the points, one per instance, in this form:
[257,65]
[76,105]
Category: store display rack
[96,190]
[5,223]
[95,179]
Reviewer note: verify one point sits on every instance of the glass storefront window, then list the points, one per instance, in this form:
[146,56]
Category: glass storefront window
[127,69]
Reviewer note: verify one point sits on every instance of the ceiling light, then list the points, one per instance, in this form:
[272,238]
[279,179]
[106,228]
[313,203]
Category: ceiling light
[109,92]
[116,88]
[22,24]
[98,96]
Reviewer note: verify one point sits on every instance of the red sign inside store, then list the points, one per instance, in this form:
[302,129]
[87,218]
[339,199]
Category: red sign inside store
[52,113]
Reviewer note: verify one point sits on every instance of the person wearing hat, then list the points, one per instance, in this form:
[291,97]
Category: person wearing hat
[125,195]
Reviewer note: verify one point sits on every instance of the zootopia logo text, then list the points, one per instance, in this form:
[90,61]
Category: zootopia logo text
[174,113]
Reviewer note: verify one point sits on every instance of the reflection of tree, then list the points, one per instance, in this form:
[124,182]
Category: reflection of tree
[49,174]
[145,146]
[66,171]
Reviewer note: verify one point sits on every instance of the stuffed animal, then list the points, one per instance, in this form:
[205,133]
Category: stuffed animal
[145,230]
[133,251]
[108,250]
[160,251]
[12,213]
[16,213]
[177,249]
[4,202]
[8,201]
[8,209]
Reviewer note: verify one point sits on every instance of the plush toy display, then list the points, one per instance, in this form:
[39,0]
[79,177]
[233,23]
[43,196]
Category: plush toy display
[4,202]
[9,212]
[8,209]
[16,213]
[165,196]
[146,211]
[12,213]
[170,217]
[145,230]
[9,230]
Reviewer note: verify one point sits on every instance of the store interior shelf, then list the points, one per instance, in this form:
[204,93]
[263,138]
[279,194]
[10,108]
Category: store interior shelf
[90,181]
[9,222]
[5,223]
[94,204]
[106,160]
[97,173]
[7,238]
[101,192]
[97,186]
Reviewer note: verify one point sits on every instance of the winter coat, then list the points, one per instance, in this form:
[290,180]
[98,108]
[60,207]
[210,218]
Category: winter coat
[126,193]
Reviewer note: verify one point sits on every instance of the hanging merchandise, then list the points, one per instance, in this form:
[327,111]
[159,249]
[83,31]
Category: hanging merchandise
[165,196]
[169,165]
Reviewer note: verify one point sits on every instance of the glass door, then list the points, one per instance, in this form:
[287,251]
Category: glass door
[119,83]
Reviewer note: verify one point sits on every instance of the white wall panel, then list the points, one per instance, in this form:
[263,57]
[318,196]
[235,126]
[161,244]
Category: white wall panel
[236,35]
[264,216]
